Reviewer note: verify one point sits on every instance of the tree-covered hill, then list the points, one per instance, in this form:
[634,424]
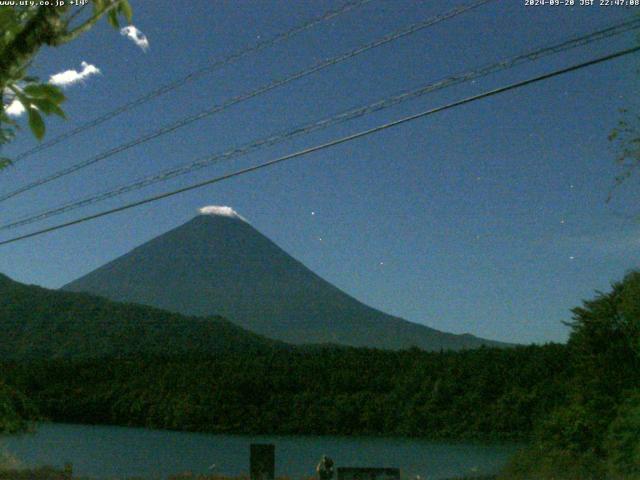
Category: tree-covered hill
[36,323]
[15,409]
[81,358]
[595,434]
[579,403]
[483,393]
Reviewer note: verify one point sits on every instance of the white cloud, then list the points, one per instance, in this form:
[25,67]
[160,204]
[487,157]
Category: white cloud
[70,77]
[63,79]
[220,210]
[136,36]
[14,109]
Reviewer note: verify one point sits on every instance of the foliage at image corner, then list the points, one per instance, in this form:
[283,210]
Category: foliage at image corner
[626,139]
[24,31]
[596,435]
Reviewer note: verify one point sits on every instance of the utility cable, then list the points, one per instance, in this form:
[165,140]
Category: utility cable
[322,124]
[330,144]
[169,87]
[243,97]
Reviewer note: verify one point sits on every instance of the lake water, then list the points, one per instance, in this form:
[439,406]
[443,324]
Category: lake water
[117,452]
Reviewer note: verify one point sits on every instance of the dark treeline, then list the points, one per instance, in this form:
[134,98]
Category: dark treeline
[578,404]
[15,409]
[39,323]
[596,434]
[478,393]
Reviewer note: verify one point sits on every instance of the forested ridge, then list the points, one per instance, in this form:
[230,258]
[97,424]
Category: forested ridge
[577,404]
[38,323]
[479,393]
[595,434]
[15,409]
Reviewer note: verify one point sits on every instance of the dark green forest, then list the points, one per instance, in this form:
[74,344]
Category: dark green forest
[577,405]
[595,434]
[15,410]
[37,323]
[478,393]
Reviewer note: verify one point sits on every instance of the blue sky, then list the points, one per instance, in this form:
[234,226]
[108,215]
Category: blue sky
[489,219]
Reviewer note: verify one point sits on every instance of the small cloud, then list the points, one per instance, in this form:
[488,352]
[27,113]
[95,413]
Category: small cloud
[63,79]
[136,36]
[70,77]
[14,109]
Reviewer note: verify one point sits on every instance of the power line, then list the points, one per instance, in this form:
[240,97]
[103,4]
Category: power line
[329,144]
[327,122]
[168,87]
[246,96]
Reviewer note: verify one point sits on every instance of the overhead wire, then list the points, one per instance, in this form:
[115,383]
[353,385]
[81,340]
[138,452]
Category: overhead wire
[324,123]
[245,96]
[329,144]
[191,76]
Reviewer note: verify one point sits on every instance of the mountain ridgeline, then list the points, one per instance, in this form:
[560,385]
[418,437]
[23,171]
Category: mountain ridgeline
[36,323]
[218,264]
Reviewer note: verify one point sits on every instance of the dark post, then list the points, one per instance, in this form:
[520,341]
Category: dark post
[68,471]
[263,461]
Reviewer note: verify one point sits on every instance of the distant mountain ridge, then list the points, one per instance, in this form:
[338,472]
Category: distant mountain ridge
[36,323]
[217,263]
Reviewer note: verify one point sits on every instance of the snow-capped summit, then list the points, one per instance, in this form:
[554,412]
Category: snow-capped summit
[220,210]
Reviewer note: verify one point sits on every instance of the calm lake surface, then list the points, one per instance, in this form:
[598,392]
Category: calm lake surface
[109,452]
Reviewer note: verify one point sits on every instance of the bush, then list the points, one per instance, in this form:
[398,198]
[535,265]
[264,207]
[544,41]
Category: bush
[623,441]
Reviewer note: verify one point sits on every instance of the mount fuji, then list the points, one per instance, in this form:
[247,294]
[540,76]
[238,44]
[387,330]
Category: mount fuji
[218,264]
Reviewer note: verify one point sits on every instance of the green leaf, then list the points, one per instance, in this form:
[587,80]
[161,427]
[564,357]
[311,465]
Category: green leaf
[56,110]
[36,123]
[125,9]
[47,106]
[112,18]
[98,6]
[44,90]
[35,90]
[7,18]
[5,162]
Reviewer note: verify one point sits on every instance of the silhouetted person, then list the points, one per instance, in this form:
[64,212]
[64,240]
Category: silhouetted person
[325,468]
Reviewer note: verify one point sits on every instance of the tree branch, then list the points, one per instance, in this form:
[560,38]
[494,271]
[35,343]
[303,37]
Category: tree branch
[41,29]
[80,29]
